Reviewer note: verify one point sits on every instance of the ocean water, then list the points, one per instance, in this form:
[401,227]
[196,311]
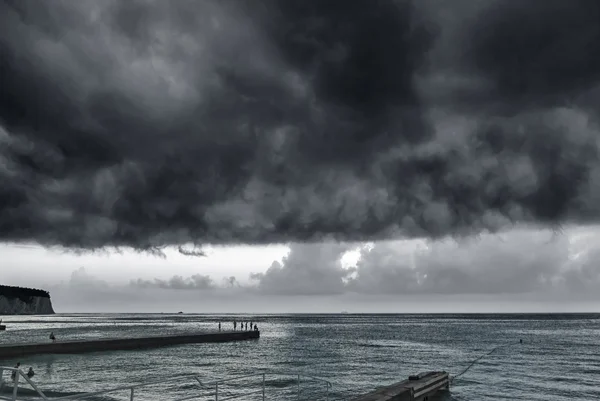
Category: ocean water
[558,360]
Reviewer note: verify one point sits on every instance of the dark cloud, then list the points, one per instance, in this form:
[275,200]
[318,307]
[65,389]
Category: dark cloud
[194,282]
[146,124]
[191,252]
[537,49]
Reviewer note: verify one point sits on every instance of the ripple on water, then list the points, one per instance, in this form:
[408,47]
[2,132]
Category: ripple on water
[557,362]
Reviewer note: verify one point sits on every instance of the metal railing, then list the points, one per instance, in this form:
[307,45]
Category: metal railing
[215,387]
[18,374]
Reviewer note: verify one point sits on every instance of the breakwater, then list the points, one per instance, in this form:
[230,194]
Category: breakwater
[118,344]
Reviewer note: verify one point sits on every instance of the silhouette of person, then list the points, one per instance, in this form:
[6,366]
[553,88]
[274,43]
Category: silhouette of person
[30,372]
[219,326]
[52,337]
[13,375]
[234,325]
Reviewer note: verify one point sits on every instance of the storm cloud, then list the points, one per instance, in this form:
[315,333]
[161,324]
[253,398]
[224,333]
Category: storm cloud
[152,123]
[522,262]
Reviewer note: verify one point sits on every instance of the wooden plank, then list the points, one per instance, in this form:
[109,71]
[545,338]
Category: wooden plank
[416,388]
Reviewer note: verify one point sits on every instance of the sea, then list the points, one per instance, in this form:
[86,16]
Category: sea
[333,357]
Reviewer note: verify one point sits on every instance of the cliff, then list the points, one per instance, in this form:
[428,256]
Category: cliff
[24,301]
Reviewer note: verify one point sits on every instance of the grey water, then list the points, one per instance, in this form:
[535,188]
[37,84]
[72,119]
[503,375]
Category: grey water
[558,360]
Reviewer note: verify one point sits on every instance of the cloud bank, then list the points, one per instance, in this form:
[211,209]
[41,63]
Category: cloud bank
[194,282]
[525,270]
[152,123]
[523,262]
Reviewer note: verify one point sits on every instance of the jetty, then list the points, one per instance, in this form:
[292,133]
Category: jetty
[119,344]
[421,387]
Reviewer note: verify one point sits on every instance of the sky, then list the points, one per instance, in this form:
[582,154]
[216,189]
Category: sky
[373,155]
[523,270]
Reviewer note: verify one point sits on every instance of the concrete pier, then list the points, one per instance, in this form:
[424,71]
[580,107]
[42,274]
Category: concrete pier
[119,344]
[421,387]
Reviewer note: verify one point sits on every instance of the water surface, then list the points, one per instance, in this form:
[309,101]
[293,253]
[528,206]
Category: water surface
[558,361]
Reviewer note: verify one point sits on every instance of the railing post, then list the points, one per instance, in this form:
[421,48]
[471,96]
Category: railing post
[298,384]
[217,391]
[263,393]
[131,394]
[16,385]
[36,388]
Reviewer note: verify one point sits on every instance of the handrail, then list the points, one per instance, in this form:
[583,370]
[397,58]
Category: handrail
[214,385]
[19,374]
[126,387]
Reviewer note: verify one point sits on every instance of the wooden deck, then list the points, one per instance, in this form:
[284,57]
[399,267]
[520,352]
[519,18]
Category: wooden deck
[421,387]
[115,344]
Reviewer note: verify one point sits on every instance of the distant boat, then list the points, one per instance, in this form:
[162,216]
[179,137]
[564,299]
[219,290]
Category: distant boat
[179,313]
[344,312]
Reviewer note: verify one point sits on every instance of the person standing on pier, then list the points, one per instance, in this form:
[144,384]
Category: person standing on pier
[219,326]
[234,325]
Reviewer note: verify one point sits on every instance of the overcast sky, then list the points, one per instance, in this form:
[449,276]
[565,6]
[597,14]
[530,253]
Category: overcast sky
[392,135]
